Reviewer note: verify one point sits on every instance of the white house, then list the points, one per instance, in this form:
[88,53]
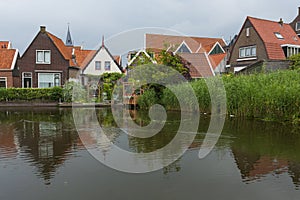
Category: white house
[101,62]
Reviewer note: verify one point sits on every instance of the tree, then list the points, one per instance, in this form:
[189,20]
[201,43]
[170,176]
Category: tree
[174,61]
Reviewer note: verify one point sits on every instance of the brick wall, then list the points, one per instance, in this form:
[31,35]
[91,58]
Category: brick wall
[266,66]
[297,19]
[244,41]
[8,76]
[27,63]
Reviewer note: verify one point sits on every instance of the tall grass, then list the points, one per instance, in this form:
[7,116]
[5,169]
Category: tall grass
[273,96]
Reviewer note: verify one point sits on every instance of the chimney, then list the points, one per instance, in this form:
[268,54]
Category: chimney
[298,10]
[281,22]
[43,29]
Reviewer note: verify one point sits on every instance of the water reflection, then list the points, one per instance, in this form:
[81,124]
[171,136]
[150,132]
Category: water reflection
[46,139]
[264,148]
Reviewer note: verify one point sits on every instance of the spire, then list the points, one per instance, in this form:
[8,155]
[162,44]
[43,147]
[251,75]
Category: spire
[69,41]
[102,40]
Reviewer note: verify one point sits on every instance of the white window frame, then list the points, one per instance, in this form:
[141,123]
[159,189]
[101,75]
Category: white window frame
[279,36]
[23,78]
[44,58]
[97,61]
[109,66]
[5,78]
[248,52]
[39,86]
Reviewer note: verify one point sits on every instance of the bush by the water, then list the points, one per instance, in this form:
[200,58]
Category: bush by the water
[273,96]
[30,94]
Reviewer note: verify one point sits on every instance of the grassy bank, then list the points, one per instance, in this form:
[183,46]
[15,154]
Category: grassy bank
[274,96]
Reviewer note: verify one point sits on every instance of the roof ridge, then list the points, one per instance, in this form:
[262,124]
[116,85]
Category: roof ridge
[267,20]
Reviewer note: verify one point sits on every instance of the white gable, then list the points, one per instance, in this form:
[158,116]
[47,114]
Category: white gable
[102,56]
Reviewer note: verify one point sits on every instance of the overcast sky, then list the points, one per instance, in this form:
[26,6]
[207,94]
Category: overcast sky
[90,19]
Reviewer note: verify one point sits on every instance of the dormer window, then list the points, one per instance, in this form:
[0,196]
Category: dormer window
[43,57]
[279,36]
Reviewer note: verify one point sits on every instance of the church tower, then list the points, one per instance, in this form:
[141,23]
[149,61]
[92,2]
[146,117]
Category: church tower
[69,41]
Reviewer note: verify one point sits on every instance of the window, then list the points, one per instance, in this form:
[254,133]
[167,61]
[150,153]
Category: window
[47,80]
[247,32]
[216,50]
[27,80]
[43,57]
[183,49]
[298,26]
[107,66]
[97,65]
[247,52]
[279,36]
[3,82]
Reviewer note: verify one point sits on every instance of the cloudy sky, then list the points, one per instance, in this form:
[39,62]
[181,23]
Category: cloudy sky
[90,19]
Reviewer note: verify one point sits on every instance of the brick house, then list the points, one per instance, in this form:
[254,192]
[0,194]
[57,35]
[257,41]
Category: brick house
[295,24]
[48,62]
[8,64]
[263,43]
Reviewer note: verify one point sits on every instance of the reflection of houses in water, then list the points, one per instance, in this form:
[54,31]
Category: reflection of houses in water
[256,166]
[44,144]
[8,142]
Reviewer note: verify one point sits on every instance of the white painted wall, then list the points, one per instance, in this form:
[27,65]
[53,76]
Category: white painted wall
[102,56]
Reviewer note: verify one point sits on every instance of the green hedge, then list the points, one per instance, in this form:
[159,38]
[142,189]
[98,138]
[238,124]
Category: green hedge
[30,94]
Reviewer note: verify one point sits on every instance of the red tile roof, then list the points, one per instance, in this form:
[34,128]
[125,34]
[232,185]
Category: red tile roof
[167,42]
[117,59]
[266,30]
[7,58]
[216,59]
[199,64]
[81,56]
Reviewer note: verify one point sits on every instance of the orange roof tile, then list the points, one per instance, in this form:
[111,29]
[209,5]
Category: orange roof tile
[117,59]
[7,58]
[216,59]
[266,30]
[167,42]
[199,64]
[81,56]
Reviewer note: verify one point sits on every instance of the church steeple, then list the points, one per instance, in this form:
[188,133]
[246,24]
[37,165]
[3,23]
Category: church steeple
[69,41]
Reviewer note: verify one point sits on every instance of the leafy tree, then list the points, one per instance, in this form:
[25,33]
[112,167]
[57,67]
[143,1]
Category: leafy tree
[174,61]
[106,84]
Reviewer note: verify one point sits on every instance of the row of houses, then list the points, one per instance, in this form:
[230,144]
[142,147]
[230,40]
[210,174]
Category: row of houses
[48,61]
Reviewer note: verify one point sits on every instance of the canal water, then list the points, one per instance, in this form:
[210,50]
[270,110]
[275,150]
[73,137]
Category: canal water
[42,157]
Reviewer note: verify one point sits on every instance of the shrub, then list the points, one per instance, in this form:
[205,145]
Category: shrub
[31,94]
